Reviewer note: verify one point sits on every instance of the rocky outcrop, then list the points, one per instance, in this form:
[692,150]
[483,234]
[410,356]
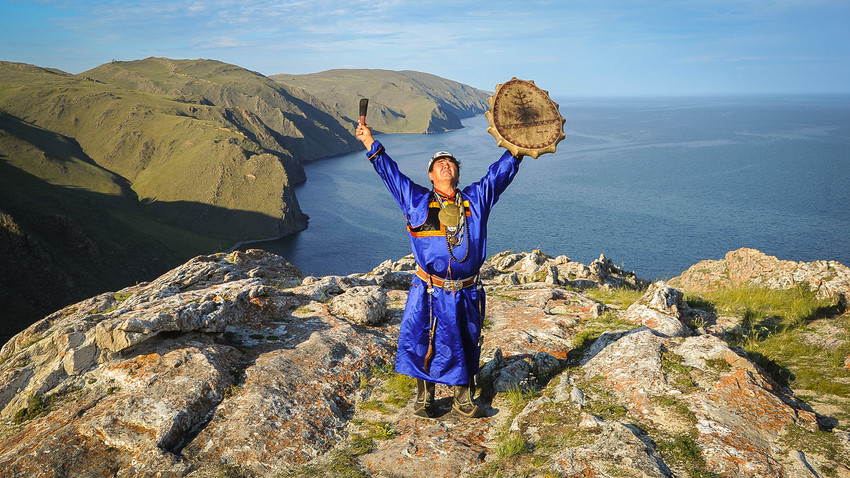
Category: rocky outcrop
[750,266]
[237,365]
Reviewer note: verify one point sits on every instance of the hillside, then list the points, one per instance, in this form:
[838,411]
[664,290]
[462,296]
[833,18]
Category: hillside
[193,165]
[278,118]
[118,173]
[236,365]
[69,228]
[399,101]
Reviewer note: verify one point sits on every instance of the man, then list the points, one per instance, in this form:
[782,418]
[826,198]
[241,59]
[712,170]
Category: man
[441,327]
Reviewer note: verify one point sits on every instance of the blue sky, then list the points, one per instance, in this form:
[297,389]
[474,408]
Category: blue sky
[571,48]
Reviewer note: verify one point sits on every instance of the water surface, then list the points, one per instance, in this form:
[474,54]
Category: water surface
[654,184]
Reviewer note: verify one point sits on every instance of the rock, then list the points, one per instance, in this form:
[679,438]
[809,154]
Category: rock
[552,275]
[323,289]
[394,275]
[235,364]
[740,413]
[505,373]
[179,370]
[659,309]
[750,266]
[596,310]
[577,397]
[531,319]
[521,268]
[614,450]
[590,422]
[360,305]
[544,365]
[529,408]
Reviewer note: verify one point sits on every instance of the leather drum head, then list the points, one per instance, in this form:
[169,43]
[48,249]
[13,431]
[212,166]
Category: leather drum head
[524,120]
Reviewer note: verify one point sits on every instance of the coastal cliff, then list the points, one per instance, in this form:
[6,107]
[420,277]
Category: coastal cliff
[237,365]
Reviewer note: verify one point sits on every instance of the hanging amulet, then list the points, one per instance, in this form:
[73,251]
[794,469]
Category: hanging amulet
[452,240]
[450,215]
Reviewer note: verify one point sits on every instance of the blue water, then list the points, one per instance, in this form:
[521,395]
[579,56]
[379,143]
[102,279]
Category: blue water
[654,184]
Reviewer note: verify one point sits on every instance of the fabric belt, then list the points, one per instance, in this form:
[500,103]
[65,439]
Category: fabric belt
[445,284]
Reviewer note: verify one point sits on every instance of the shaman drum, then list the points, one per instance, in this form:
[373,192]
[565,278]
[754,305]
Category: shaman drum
[524,119]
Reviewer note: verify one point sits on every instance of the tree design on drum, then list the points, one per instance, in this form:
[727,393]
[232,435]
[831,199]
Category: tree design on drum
[524,120]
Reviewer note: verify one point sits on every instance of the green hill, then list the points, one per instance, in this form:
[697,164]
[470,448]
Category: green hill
[278,118]
[69,228]
[399,101]
[195,165]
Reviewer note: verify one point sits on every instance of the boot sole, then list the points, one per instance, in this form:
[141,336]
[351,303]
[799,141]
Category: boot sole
[475,413]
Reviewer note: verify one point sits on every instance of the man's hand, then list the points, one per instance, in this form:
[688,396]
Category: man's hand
[364,134]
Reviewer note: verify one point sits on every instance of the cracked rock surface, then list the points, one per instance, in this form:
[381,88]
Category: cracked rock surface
[237,365]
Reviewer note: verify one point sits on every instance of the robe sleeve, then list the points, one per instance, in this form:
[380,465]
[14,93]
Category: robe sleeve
[411,197]
[497,179]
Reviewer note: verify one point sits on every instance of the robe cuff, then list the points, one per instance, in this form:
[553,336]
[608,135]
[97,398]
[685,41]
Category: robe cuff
[376,149]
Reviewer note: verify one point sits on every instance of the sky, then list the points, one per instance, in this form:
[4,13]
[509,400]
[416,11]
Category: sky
[570,48]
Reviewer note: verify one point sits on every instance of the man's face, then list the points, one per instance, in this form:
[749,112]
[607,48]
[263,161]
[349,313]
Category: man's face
[444,170]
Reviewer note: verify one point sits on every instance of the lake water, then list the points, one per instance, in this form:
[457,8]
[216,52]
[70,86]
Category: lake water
[654,184]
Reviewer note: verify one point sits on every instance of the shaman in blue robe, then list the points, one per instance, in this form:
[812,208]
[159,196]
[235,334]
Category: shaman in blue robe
[458,315]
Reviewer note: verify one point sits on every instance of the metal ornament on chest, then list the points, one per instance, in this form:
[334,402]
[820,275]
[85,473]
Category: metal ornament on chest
[453,218]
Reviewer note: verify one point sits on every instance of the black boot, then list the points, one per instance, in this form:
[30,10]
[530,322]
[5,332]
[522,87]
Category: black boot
[463,402]
[424,405]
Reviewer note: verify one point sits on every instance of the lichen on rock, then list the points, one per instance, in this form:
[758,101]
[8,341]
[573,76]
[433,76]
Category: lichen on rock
[237,364]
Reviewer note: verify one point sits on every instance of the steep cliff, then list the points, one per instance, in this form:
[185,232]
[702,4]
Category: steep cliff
[236,365]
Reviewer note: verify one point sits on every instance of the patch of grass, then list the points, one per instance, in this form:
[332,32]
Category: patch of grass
[590,329]
[375,430]
[400,389]
[502,296]
[375,405]
[340,464]
[818,442]
[36,406]
[676,405]
[519,398]
[232,391]
[32,341]
[719,365]
[676,371]
[682,450]
[794,361]
[620,297]
[511,445]
[774,310]
[601,401]
[362,443]
[395,389]
[384,370]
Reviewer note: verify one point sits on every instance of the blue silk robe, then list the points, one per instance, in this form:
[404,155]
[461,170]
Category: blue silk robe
[460,314]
